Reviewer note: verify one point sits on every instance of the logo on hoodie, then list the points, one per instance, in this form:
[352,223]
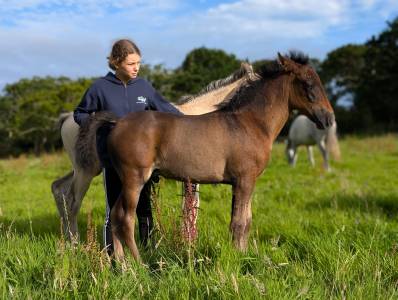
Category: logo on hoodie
[141,99]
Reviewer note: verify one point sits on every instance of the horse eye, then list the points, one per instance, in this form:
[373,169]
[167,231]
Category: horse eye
[309,88]
[306,85]
[311,96]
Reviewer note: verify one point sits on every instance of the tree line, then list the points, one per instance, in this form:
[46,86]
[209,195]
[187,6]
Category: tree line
[361,81]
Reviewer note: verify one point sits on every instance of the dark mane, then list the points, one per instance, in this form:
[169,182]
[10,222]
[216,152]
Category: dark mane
[299,57]
[244,70]
[244,94]
[273,68]
[241,97]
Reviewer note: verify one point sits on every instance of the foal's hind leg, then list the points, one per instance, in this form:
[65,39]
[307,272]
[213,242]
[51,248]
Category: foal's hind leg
[241,212]
[123,217]
[117,214]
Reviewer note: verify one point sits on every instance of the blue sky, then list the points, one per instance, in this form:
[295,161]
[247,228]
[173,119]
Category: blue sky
[73,37]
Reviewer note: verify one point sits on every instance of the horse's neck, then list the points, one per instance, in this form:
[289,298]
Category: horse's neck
[271,106]
[208,102]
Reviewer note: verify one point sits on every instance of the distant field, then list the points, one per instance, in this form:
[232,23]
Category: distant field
[315,235]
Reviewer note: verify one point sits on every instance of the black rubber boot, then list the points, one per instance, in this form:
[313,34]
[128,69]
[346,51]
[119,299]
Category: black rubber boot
[145,227]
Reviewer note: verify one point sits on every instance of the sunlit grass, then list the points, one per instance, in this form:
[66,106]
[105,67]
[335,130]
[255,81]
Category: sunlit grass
[314,234]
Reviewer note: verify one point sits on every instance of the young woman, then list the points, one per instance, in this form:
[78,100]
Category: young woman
[121,92]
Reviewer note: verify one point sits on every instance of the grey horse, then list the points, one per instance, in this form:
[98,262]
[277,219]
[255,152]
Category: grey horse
[304,132]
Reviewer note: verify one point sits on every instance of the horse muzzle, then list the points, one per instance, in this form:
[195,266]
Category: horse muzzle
[323,118]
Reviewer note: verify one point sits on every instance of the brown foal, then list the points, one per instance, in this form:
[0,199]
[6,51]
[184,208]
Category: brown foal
[232,145]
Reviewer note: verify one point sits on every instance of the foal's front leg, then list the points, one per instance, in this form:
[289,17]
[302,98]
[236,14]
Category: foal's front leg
[241,212]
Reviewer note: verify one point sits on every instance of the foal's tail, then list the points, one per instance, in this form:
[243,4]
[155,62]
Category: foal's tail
[332,143]
[86,144]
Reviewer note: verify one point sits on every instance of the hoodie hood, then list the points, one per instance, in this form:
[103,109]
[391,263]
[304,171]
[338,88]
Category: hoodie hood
[112,78]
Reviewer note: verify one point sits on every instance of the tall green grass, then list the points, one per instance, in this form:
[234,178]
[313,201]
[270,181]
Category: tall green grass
[315,235]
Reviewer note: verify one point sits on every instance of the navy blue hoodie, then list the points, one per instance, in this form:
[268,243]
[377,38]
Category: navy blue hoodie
[109,93]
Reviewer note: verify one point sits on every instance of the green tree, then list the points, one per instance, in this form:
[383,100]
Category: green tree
[200,67]
[5,107]
[161,79]
[376,97]
[258,64]
[32,107]
[341,71]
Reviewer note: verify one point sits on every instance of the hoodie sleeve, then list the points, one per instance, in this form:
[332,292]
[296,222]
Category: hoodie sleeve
[90,103]
[157,102]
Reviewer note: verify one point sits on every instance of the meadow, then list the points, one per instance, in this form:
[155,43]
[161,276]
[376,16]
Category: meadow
[315,235]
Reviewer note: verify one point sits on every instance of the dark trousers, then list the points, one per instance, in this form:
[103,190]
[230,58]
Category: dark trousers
[113,188]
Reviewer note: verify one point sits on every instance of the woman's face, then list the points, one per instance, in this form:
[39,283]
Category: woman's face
[128,69]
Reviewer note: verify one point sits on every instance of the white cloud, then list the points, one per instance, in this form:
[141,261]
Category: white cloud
[367,4]
[272,18]
[73,37]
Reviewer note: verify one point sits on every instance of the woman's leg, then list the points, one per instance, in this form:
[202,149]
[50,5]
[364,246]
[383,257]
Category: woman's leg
[113,187]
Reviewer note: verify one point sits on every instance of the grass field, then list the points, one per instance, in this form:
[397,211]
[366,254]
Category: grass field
[315,235]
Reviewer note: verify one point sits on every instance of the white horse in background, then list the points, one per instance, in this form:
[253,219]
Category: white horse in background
[70,189]
[304,132]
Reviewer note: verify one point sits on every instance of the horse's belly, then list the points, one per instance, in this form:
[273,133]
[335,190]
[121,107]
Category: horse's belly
[308,141]
[193,168]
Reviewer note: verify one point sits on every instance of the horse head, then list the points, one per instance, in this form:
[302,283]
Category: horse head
[308,95]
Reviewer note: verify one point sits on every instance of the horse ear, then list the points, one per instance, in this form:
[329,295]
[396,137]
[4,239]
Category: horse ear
[246,66]
[280,58]
[286,63]
[248,69]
